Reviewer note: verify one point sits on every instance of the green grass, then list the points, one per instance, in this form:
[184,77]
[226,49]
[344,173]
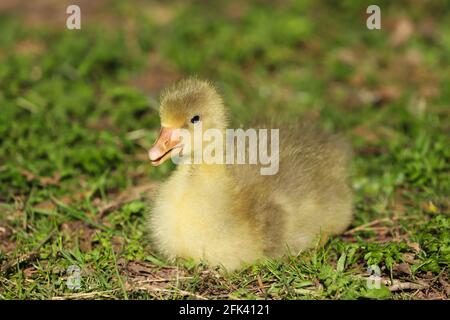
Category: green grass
[78,110]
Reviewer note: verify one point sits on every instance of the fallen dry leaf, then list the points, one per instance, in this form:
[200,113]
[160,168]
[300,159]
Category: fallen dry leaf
[44,181]
[6,245]
[145,276]
[396,285]
[5,233]
[140,268]
[409,257]
[403,30]
[30,272]
[366,133]
[53,180]
[415,246]
[402,268]
[445,285]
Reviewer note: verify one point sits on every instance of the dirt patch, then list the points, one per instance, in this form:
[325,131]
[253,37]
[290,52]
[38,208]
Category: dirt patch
[170,281]
[160,13]
[43,181]
[30,47]
[151,278]
[82,232]
[6,244]
[159,74]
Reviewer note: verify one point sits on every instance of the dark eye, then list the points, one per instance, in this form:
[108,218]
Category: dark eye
[195,119]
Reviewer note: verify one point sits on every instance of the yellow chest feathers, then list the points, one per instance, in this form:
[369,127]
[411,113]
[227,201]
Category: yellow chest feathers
[194,217]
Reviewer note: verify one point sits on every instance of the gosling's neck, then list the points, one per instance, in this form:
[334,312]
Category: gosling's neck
[202,169]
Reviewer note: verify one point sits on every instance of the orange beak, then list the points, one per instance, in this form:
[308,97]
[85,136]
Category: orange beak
[163,147]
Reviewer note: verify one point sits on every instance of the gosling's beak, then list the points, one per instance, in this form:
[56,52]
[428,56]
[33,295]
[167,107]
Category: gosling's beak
[162,149]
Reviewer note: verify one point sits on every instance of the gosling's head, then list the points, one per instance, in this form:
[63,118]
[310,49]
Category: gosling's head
[186,105]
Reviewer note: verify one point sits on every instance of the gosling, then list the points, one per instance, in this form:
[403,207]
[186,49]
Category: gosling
[231,215]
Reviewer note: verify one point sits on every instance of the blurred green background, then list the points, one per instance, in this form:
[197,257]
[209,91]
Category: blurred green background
[78,111]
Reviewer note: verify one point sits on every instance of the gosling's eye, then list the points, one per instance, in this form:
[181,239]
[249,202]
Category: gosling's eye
[195,119]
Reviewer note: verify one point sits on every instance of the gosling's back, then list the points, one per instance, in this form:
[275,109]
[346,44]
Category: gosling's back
[308,199]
